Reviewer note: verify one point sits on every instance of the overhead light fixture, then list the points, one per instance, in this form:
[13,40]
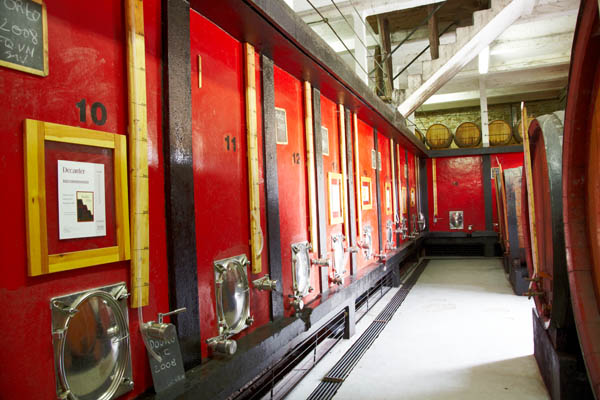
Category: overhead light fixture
[484,60]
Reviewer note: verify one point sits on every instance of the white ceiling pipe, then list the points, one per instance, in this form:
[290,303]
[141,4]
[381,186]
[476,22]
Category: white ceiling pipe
[468,52]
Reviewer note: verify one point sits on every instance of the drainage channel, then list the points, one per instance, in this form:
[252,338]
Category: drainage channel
[340,371]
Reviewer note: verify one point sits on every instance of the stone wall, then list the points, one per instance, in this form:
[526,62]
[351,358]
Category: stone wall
[510,113]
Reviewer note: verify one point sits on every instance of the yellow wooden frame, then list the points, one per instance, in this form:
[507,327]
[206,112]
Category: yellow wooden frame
[334,176]
[30,70]
[389,205]
[39,262]
[367,180]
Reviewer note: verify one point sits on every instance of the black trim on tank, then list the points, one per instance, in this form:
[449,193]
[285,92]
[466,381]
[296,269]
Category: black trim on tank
[378,190]
[320,186]
[271,183]
[179,177]
[423,189]
[487,190]
[350,186]
[476,151]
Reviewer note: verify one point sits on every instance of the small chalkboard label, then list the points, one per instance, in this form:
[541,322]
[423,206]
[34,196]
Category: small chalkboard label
[24,36]
[169,370]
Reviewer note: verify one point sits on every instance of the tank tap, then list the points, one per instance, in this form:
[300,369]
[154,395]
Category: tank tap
[337,280]
[264,283]
[222,345]
[382,256]
[322,262]
[297,304]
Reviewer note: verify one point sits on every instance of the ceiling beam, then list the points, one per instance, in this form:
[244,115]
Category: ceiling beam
[478,42]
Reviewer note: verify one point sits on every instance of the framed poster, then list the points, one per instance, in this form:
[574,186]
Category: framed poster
[388,198]
[366,199]
[336,212]
[281,133]
[325,140]
[77,212]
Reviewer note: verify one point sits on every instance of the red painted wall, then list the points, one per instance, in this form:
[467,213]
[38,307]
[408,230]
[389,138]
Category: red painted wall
[293,191]
[459,187]
[332,163]
[385,177]
[507,160]
[86,61]
[221,175]
[402,186]
[412,193]
[369,217]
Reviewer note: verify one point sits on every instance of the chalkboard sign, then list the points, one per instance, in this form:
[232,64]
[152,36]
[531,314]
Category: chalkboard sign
[24,36]
[169,371]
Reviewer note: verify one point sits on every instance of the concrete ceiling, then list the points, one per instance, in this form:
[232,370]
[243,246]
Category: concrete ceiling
[530,60]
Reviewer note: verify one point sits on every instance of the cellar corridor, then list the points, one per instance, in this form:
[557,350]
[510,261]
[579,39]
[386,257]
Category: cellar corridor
[461,333]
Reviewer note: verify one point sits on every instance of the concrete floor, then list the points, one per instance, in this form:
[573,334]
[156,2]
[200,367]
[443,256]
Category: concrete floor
[460,334]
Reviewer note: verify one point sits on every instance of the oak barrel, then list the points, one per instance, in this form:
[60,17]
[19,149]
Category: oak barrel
[438,136]
[467,135]
[581,186]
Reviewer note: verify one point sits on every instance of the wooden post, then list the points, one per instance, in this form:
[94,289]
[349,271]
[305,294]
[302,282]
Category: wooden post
[434,40]
[530,198]
[342,131]
[357,179]
[384,36]
[379,85]
[435,197]
[485,131]
[138,152]
[310,167]
[256,235]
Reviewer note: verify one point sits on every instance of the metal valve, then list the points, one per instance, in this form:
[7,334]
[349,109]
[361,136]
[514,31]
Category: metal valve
[222,345]
[531,293]
[297,304]
[353,249]
[322,262]
[161,330]
[338,280]
[381,256]
[264,283]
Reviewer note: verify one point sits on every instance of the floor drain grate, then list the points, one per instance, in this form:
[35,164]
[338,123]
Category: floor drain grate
[340,371]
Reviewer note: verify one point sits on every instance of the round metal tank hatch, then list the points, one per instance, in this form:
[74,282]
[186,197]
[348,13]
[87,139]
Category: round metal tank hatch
[339,255]
[301,268]
[91,343]
[232,294]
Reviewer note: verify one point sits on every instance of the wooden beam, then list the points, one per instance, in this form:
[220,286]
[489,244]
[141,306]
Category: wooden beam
[530,199]
[138,152]
[434,40]
[512,12]
[384,38]
[379,85]
[256,235]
